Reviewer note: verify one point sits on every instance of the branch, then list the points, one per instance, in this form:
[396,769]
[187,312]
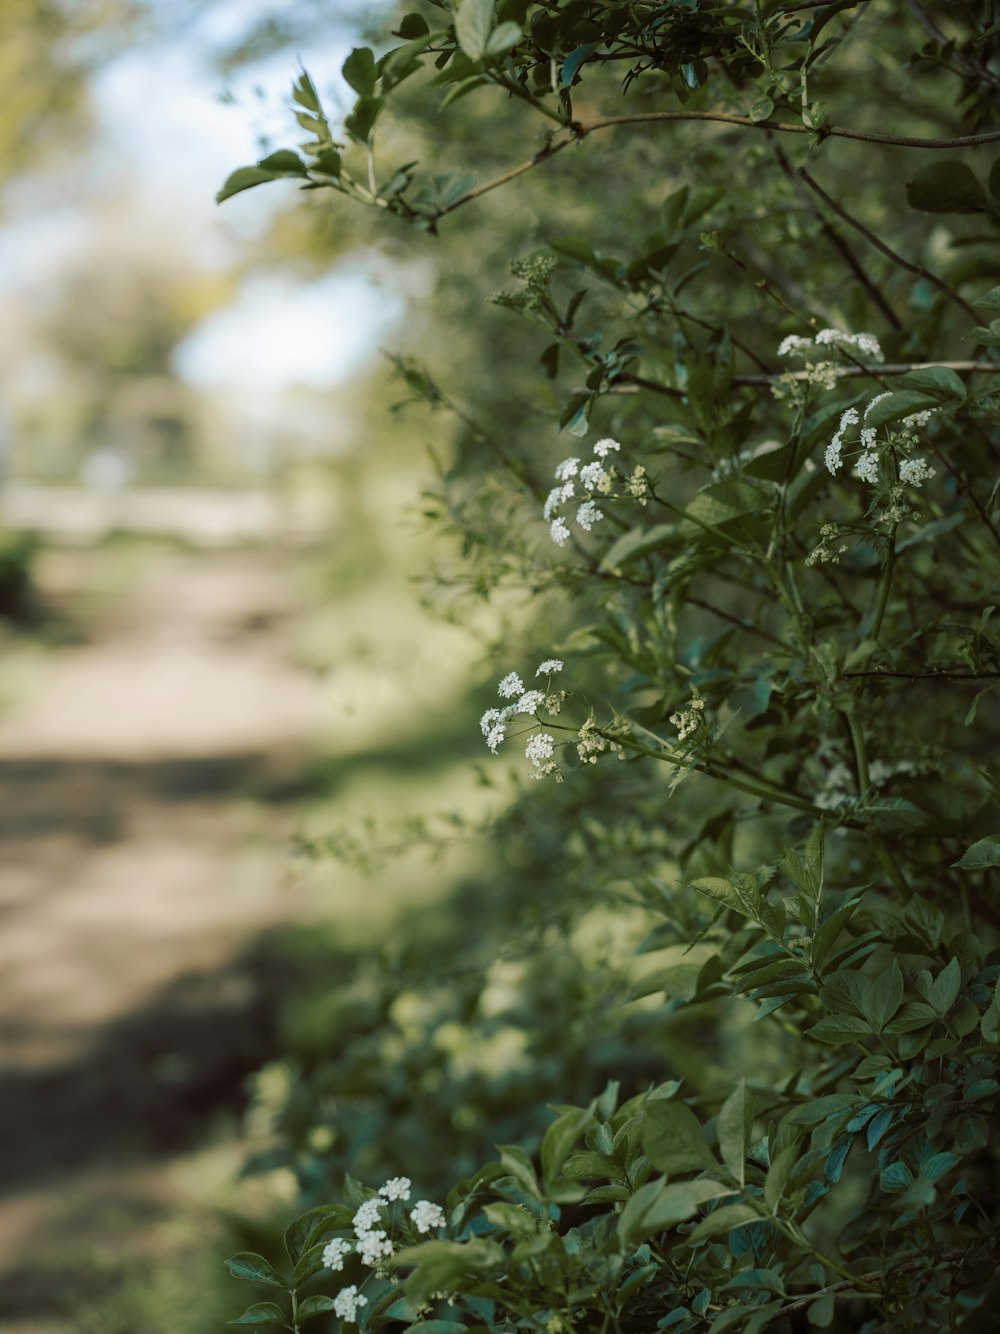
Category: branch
[926,676]
[580,129]
[886,250]
[841,373]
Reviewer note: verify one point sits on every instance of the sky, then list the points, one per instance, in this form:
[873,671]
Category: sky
[170,128]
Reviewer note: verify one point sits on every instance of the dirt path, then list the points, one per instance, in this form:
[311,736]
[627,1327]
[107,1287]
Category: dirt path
[140,858]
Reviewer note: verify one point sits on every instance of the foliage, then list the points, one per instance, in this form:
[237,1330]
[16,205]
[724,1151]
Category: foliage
[778,674]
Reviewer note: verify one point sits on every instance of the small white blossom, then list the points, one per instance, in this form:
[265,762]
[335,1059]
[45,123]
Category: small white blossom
[587,515]
[425,1215]
[867,467]
[869,435]
[347,1302]
[334,1252]
[604,447]
[495,737]
[877,399]
[539,749]
[832,457]
[794,346]
[919,418]
[868,344]
[510,686]
[530,702]
[915,471]
[593,477]
[590,743]
[638,484]
[559,532]
[691,718]
[398,1188]
[567,469]
[374,1246]
[556,497]
[847,418]
[549,666]
[366,1215]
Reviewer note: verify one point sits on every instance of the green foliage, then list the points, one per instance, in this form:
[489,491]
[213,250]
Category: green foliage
[773,713]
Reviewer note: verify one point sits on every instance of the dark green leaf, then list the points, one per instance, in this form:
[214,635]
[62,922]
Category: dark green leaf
[673,1139]
[359,70]
[946,187]
[723,1220]
[244,178]
[262,1313]
[981,856]
[733,1125]
[473,24]
[254,1267]
[656,1207]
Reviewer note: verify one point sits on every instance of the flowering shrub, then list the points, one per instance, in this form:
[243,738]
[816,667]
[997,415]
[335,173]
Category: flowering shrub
[777,677]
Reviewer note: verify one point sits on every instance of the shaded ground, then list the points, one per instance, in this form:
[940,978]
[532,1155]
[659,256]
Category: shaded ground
[140,857]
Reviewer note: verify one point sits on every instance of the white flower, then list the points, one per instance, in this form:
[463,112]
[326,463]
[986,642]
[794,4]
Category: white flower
[869,435]
[604,447]
[915,471]
[373,1246]
[587,515]
[867,467]
[794,346]
[366,1215]
[567,469]
[549,666]
[510,686]
[919,418]
[334,1252]
[530,702]
[398,1188]
[877,399]
[864,342]
[347,1302]
[847,418]
[592,476]
[425,1215]
[489,720]
[556,497]
[559,532]
[539,749]
[495,737]
[868,344]
[832,457]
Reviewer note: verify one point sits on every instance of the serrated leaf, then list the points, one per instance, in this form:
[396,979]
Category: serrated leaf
[733,1125]
[243,178]
[250,1265]
[982,855]
[262,1313]
[990,299]
[723,1220]
[314,1305]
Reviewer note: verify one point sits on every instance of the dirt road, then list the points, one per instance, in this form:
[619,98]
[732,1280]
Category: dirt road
[141,856]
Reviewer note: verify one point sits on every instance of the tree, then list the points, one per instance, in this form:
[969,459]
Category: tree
[776,672]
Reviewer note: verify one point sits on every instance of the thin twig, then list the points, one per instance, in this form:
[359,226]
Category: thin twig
[969,66]
[925,676]
[579,130]
[840,372]
[886,250]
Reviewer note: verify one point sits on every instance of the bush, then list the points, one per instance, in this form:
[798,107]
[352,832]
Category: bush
[774,698]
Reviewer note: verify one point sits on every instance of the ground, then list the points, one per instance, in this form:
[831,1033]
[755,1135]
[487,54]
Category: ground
[145,851]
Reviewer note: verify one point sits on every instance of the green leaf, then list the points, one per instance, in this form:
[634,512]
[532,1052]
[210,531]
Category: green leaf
[946,187]
[283,163]
[886,996]
[311,1306]
[990,299]
[502,38]
[983,854]
[517,1164]
[359,70]
[639,542]
[779,1174]
[560,1139]
[243,178]
[939,380]
[360,123]
[299,1233]
[437,1327]
[473,24]
[723,891]
[722,1220]
[248,1264]
[412,25]
[733,1126]
[839,1028]
[762,110]
[452,1266]
[511,1218]
[673,1140]
[900,405]
[655,1207]
[262,1313]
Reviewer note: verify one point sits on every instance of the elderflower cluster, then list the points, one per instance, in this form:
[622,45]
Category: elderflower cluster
[865,343]
[535,274]
[687,721]
[829,551]
[592,479]
[888,464]
[540,748]
[372,1241]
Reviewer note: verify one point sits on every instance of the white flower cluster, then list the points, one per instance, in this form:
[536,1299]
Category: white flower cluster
[347,1302]
[593,478]
[494,723]
[912,471]
[691,718]
[372,1242]
[795,346]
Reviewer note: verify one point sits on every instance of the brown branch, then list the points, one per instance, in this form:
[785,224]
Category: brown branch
[926,676]
[579,131]
[970,68]
[841,373]
[886,250]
